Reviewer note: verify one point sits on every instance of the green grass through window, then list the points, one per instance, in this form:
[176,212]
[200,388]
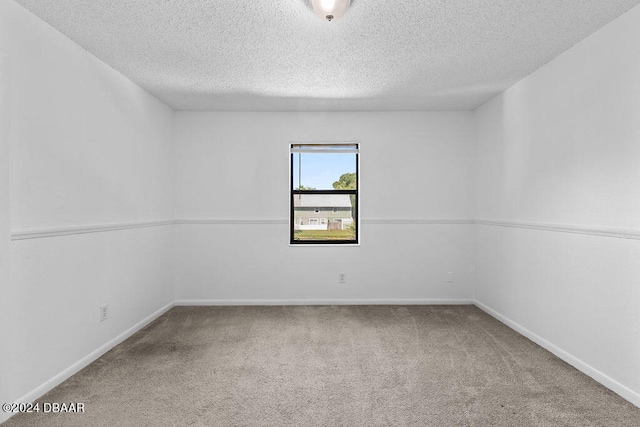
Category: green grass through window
[324,235]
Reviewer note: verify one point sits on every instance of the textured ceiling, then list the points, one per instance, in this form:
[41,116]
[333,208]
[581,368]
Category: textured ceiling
[277,55]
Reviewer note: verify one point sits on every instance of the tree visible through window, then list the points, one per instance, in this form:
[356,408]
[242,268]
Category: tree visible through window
[324,193]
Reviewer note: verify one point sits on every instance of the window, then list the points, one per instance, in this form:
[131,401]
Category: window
[324,193]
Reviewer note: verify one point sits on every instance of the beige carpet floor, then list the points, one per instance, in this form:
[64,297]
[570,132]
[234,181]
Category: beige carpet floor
[332,366]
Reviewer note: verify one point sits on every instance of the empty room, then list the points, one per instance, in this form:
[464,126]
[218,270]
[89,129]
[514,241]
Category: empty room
[320,213]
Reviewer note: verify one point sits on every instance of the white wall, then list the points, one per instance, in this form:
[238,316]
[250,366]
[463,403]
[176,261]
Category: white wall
[88,147]
[558,180]
[5,234]
[233,175]
[557,158]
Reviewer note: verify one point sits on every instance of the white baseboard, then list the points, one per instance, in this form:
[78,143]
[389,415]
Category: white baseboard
[583,367]
[94,355]
[84,362]
[603,379]
[372,301]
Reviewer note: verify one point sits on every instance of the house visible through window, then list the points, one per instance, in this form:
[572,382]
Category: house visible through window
[324,193]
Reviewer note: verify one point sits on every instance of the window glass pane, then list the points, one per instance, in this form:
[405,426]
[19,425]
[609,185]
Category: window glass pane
[323,217]
[324,193]
[324,171]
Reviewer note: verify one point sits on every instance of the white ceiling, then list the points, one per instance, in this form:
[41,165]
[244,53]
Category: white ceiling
[277,55]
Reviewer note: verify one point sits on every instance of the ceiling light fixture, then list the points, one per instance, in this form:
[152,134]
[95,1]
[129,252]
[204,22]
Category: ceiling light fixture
[330,9]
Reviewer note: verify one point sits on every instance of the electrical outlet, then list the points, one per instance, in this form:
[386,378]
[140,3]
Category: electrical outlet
[342,278]
[450,277]
[104,312]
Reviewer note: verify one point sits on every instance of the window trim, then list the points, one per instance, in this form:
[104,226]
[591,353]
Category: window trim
[317,147]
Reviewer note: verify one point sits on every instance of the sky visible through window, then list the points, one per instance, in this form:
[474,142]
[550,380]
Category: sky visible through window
[321,170]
